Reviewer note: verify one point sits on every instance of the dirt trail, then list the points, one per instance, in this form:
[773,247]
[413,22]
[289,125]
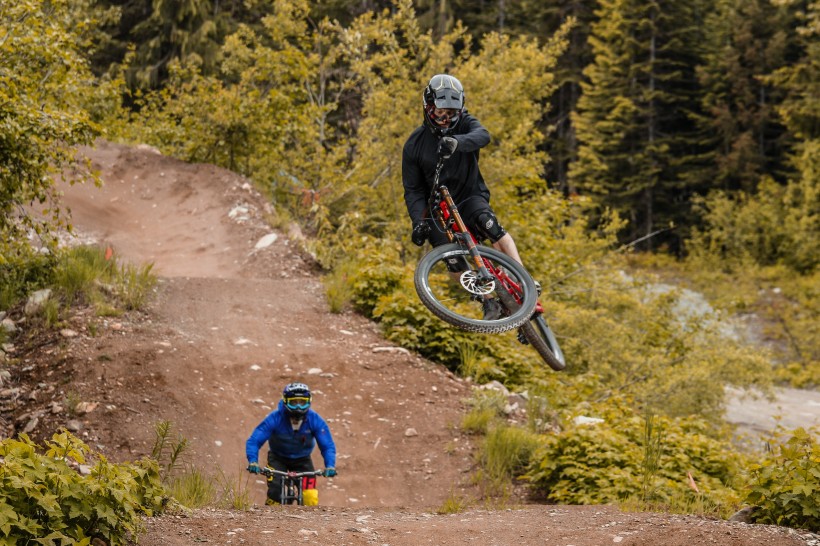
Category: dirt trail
[232,323]
[233,320]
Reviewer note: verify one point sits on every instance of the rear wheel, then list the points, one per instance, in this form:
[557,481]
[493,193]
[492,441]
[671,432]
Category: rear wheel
[456,297]
[540,336]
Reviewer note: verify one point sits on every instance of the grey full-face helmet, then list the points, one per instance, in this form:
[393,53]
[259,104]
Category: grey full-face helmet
[443,92]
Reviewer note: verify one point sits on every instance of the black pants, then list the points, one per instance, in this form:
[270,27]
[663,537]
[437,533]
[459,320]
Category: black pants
[303,464]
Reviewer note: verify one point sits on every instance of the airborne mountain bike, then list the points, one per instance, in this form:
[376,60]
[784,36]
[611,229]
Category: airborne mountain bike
[480,272]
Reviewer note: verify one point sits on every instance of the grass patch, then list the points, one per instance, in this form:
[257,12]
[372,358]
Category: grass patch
[453,504]
[487,407]
[338,286]
[193,489]
[478,421]
[91,275]
[235,492]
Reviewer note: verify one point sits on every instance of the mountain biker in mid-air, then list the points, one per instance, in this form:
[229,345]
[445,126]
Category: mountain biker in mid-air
[448,131]
[292,431]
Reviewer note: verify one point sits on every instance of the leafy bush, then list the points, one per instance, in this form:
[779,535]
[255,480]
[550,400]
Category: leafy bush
[611,461]
[786,485]
[778,224]
[374,275]
[43,498]
[22,270]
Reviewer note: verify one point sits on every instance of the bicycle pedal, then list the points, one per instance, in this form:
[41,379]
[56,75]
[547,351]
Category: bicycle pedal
[522,339]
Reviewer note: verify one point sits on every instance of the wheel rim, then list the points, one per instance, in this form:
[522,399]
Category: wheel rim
[457,298]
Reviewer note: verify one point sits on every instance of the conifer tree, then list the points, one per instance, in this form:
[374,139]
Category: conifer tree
[633,119]
[741,132]
[184,30]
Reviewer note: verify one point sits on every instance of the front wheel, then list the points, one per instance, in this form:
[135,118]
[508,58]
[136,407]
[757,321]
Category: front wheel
[540,336]
[456,297]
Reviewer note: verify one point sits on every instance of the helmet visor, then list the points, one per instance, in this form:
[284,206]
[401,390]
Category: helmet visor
[297,403]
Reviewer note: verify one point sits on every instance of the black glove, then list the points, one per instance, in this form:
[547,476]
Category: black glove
[446,146]
[421,231]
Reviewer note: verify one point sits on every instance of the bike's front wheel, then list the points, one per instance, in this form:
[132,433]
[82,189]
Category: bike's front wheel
[540,336]
[456,297]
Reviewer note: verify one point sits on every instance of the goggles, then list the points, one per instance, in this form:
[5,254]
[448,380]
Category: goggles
[449,114]
[297,403]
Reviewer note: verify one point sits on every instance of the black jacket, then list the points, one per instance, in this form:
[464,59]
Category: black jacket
[460,173]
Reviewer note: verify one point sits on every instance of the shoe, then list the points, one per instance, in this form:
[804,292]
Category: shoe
[492,309]
[537,287]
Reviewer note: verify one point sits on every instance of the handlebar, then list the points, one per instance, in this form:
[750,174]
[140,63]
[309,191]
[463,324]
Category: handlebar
[267,471]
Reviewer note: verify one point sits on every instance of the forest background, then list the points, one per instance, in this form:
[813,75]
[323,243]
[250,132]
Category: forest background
[634,143]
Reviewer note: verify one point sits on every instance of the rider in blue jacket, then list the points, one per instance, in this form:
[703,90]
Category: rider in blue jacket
[292,431]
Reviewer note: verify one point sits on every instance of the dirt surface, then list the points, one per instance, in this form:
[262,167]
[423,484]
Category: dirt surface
[239,311]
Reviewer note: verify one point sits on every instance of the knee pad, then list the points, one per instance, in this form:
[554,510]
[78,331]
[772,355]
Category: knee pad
[486,224]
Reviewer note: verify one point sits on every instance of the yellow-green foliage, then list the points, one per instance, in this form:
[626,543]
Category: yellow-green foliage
[22,271]
[453,504]
[785,486]
[607,462]
[45,498]
[193,489]
[641,340]
[486,408]
[779,224]
[507,451]
[86,274]
[783,305]
[42,108]
[503,455]
[267,116]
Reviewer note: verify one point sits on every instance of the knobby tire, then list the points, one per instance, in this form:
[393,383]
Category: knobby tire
[540,336]
[518,314]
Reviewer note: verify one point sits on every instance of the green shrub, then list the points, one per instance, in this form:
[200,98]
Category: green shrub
[376,276]
[612,462]
[786,485]
[134,284]
[22,271]
[78,270]
[486,408]
[800,376]
[168,451]
[338,286]
[778,224]
[43,498]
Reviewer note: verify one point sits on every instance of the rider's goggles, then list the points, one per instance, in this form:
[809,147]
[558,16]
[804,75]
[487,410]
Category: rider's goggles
[297,403]
[447,114]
